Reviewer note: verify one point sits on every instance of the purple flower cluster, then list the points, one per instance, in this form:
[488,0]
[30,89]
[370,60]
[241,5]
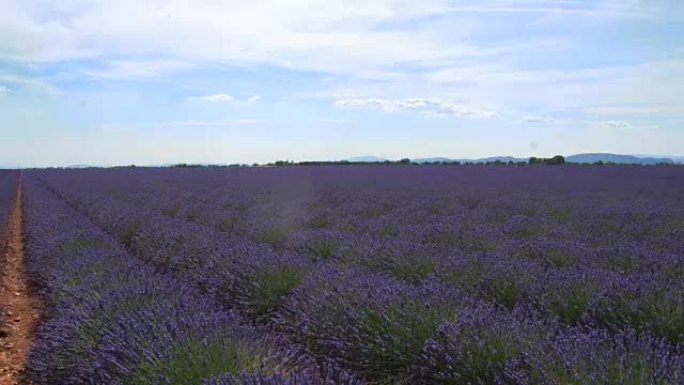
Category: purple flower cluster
[400,275]
[375,325]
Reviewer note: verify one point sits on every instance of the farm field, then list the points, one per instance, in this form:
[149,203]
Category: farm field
[355,275]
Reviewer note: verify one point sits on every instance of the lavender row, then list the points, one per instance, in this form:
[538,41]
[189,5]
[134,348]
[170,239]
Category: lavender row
[111,319]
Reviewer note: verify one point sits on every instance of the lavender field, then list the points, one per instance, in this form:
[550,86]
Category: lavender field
[357,275]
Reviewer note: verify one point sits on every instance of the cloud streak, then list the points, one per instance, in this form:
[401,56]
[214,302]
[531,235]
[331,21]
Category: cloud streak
[428,107]
[215,98]
[536,119]
[626,126]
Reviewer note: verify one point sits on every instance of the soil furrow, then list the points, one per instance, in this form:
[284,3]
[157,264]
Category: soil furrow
[19,303]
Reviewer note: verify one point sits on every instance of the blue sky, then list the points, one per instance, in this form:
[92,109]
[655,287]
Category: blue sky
[150,82]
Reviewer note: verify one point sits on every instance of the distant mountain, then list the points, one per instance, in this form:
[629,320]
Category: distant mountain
[437,159]
[616,158]
[578,158]
[676,159]
[501,159]
[504,159]
[366,159]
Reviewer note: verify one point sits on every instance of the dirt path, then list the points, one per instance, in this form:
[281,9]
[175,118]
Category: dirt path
[21,306]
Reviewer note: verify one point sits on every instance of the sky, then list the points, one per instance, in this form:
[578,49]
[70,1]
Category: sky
[224,81]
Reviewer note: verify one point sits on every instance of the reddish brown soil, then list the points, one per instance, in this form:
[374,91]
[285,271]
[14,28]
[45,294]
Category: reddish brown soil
[21,305]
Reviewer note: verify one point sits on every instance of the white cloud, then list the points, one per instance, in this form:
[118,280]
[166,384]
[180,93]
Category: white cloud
[381,43]
[538,119]
[626,126]
[213,98]
[427,107]
[4,89]
[353,104]
[617,124]
[334,36]
[253,99]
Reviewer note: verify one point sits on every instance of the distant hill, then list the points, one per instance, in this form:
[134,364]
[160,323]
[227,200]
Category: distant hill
[432,160]
[577,158]
[366,159]
[616,158]
[504,159]
[676,159]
